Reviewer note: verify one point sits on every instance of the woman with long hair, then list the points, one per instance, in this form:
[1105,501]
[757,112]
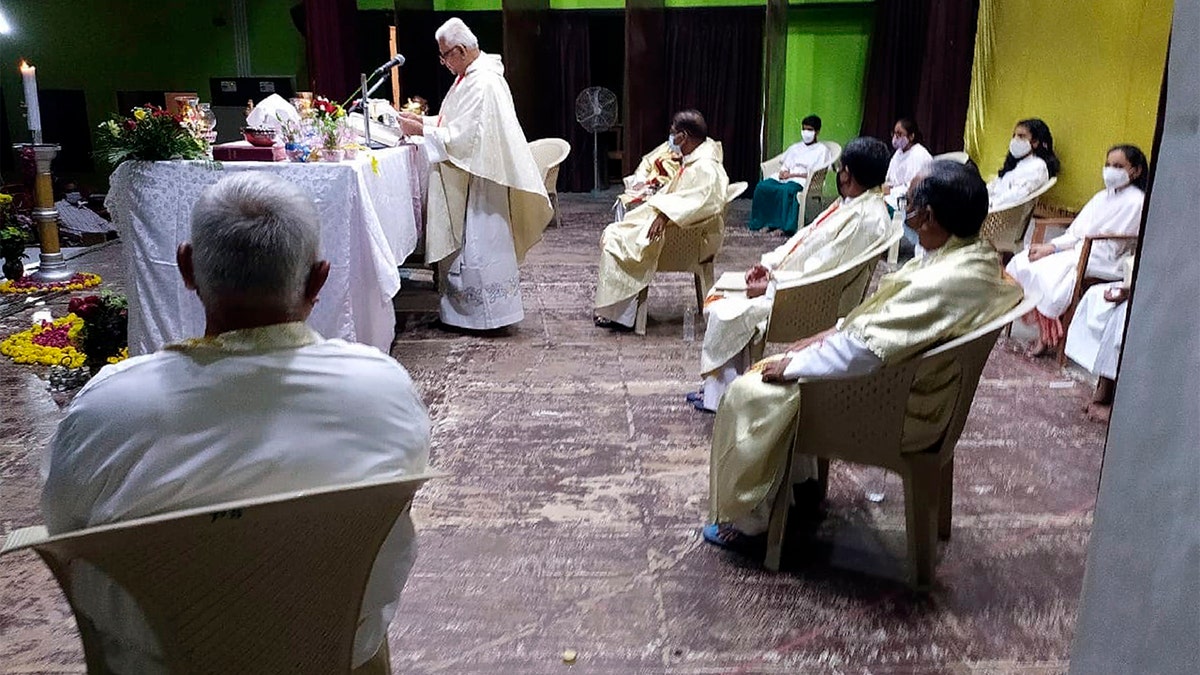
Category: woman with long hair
[1049,269]
[1029,164]
[910,158]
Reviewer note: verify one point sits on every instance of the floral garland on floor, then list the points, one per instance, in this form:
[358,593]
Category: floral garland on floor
[95,323]
[50,343]
[78,282]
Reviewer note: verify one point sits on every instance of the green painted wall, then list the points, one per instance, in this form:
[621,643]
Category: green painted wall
[826,67]
[467,5]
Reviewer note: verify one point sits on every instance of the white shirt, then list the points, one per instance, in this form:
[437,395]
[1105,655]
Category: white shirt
[905,166]
[804,157]
[248,414]
[1108,212]
[1025,178]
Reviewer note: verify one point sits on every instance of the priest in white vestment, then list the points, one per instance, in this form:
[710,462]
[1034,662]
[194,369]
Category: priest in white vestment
[1029,164]
[855,223]
[487,200]
[694,199]
[1096,334]
[1049,270]
[954,289]
[260,405]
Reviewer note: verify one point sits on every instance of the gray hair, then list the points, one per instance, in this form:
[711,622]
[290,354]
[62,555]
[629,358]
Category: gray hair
[254,234]
[456,34]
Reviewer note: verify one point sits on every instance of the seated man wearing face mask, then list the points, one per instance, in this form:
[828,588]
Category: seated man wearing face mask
[694,199]
[850,226]
[75,218]
[774,206]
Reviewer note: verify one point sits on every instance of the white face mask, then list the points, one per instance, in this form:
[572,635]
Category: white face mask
[1019,147]
[808,135]
[672,145]
[1115,178]
[73,197]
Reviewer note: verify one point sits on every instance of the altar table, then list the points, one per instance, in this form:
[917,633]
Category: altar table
[370,220]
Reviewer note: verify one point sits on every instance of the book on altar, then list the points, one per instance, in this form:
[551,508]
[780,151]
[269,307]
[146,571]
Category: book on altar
[731,281]
[242,151]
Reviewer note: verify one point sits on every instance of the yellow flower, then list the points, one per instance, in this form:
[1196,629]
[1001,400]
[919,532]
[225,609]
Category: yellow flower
[139,113]
[5,200]
[374,165]
[20,347]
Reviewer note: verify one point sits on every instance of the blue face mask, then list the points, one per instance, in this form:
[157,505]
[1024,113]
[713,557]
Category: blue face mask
[672,145]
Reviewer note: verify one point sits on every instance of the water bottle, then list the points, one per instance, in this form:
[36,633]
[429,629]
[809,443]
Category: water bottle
[689,323]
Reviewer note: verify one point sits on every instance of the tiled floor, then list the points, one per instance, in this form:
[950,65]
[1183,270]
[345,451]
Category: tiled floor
[578,481]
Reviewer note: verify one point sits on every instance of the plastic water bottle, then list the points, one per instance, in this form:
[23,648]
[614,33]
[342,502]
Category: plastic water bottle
[874,479]
[689,323]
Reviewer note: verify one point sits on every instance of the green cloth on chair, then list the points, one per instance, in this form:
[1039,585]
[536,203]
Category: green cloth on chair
[775,206]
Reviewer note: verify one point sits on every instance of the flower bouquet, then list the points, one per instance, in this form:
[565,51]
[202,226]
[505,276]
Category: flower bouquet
[13,238]
[148,133]
[105,333]
[329,121]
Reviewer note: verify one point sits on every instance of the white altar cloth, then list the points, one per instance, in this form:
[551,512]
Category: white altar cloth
[370,223]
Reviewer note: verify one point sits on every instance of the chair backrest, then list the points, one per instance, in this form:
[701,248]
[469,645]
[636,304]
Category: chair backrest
[685,249]
[812,304]
[772,165]
[1006,227]
[271,584]
[960,157]
[549,154]
[862,419]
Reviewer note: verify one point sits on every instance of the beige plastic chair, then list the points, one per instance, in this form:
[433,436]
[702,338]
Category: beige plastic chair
[1006,228]
[815,185]
[266,585]
[960,157]
[685,250]
[861,420]
[812,304]
[549,154]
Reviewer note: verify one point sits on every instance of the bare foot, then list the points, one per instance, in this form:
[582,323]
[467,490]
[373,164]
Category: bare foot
[1099,412]
[1037,350]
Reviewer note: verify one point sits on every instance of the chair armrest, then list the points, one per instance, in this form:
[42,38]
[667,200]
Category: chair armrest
[1112,237]
[1042,224]
[24,537]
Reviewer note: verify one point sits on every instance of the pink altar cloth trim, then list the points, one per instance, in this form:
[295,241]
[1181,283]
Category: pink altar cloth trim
[370,223]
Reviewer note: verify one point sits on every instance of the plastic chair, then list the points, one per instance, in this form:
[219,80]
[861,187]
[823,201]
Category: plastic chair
[960,157]
[1082,281]
[814,187]
[861,420]
[1005,228]
[266,585]
[686,250]
[810,305]
[549,154]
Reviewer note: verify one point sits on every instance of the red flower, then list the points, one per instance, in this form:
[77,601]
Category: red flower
[130,124]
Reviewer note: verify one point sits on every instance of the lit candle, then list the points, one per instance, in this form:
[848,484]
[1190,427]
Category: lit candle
[29,75]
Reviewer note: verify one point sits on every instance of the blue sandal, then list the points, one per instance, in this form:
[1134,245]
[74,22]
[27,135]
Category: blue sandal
[729,537]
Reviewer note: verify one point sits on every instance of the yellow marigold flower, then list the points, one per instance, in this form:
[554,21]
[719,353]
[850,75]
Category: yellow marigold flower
[139,113]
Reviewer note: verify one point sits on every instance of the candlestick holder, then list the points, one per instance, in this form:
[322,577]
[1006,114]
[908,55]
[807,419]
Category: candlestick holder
[52,266]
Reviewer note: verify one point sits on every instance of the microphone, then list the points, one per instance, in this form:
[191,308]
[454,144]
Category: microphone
[397,60]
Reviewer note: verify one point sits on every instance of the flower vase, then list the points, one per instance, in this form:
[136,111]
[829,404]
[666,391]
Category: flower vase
[335,155]
[13,269]
[297,152]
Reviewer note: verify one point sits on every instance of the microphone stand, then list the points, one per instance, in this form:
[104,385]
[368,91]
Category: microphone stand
[365,106]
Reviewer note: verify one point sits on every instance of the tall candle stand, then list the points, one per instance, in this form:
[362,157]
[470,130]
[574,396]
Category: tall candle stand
[52,266]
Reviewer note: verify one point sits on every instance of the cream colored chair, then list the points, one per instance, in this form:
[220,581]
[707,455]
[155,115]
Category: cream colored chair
[1006,228]
[960,157]
[685,250]
[266,585]
[810,305]
[813,188]
[549,154]
[861,420]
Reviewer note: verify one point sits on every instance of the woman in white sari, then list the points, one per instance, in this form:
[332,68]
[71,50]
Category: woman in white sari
[1049,270]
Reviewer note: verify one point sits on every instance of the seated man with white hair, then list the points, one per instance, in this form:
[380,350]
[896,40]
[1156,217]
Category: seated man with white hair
[487,200]
[260,405]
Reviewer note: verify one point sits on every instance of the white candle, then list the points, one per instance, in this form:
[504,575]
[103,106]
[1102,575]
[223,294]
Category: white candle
[29,75]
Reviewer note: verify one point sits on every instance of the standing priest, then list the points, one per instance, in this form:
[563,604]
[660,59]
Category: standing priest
[487,201]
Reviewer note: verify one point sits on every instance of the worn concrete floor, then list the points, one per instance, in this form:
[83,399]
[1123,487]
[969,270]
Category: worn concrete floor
[578,480]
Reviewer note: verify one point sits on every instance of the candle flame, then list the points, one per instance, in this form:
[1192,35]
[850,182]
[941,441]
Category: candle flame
[25,67]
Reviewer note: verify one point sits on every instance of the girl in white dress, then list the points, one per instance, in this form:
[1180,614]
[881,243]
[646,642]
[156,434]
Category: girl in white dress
[1029,165]
[1050,269]
[910,159]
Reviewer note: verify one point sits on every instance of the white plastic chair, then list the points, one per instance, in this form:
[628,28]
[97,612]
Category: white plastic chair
[549,154]
[275,583]
[814,187]
[960,157]
[687,250]
[861,420]
[1006,227]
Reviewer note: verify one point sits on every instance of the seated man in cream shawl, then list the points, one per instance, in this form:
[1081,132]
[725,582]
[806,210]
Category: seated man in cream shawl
[848,228]
[657,169]
[695,198]
[957,287]
[487,201]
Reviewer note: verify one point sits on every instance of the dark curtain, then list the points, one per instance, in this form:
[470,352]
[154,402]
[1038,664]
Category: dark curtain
[330,45]
[920,67]
[714,64]
[566,70]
